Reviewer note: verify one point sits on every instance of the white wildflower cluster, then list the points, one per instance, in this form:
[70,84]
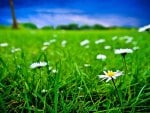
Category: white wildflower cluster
[101,57]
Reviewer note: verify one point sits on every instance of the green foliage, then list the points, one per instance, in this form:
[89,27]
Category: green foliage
[72,87]
[85,27]
[71,26]
[47,28]
[98,26]
[29,25]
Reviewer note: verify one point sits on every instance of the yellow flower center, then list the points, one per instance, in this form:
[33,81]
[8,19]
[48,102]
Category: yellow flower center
[110,73]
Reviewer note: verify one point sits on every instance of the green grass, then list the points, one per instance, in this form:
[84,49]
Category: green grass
[74,88]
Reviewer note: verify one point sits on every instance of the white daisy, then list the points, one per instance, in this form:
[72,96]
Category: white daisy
[46,43]
[136,48]
[54,71]
[63,43]
[52,41]
[107,47]
[3,44]
[110,75]
[50,68]
[44,91]
[15,50]
[84,42]
[128,40]
[114,37]
[101,57]
[123,51]
[44,48]
[142,29]
[38,65]
[87,65]
[100,41]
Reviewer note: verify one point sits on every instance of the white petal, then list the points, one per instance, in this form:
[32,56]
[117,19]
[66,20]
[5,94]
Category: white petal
[108,79]
[102,76]
[105,72]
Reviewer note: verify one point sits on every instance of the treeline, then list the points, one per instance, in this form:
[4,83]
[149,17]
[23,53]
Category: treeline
[71,26]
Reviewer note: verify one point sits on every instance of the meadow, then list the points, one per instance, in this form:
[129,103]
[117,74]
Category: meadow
[69,81]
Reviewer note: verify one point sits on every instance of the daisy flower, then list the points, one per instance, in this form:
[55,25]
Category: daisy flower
[99,41]
[52,41]
[136,48]
[101,57]
[107,47]
[15,50]
[110,75]
[142,29]
[54,71]
[114,38]
[3,44]
[87,65]
[63,43]
[46,43]
[44,91]
[44,48]
[38,65]
[84,42]
[123,51]
[128,40]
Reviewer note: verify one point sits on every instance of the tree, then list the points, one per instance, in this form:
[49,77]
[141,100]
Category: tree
[98,26]
[29,25]
[73,26]
[15,24]
[47,28]
[60,27]
[85,27]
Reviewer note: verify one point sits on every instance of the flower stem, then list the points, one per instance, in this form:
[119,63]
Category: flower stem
[116,90]
[125,64]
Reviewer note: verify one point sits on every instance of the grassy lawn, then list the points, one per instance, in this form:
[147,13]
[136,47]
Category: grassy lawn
[69,83]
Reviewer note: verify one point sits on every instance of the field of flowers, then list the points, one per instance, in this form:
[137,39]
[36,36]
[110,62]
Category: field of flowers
[104,71]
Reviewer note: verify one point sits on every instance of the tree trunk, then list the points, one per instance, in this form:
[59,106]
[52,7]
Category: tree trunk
[15,24]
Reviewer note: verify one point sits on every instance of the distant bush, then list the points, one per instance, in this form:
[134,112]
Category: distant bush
[4,27]
[47,28]
[65,27]
[85,27]
[98,26]
[29,25]
[71,26]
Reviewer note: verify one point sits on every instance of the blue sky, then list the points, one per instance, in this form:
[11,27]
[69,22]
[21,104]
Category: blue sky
[55,12]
